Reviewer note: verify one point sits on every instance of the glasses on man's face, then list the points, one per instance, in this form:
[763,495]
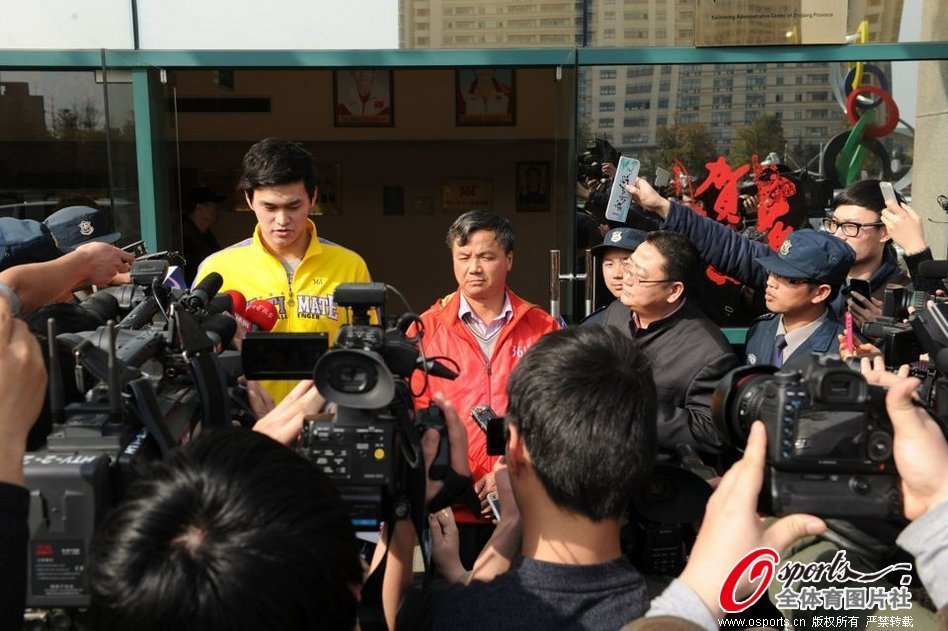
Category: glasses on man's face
[849,228]
[629,270]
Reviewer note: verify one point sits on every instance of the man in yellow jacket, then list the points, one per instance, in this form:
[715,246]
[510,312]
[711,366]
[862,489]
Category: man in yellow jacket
[285,262]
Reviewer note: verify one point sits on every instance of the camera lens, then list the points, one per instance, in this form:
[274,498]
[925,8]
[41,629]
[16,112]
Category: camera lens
[880,446]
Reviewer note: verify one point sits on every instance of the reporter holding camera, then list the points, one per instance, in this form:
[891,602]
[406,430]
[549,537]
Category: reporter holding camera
[731,527]
[22,391]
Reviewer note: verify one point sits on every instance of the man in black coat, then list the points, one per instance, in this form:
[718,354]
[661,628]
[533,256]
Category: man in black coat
[687,352]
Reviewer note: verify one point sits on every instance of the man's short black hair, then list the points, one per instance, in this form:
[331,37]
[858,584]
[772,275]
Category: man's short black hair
[473,220]
[274,161]
[583,400]
[680,254]
[864,193]
[232,531]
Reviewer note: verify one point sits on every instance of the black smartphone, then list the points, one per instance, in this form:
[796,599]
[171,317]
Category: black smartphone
[493,426]
[862,287]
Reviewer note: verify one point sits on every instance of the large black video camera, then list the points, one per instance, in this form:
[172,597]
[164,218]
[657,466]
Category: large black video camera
[138,389]
[829,439]
[590,162]
[370,444]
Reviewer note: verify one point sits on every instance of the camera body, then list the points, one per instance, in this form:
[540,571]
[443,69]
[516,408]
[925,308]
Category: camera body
[829,440]
[370,446]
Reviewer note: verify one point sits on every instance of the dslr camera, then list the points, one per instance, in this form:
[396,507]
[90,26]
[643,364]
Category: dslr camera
[829,439]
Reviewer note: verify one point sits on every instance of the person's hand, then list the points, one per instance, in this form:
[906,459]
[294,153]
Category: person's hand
[509,511]
[920,450]
[731,527]
[259,399]
[487,484]
[284,421]
[457,439]
[100,262]
[648,198]
[864,309]
[904,226]
[445,546]
[608,170]
[861,349]
[22,390]
[876,374]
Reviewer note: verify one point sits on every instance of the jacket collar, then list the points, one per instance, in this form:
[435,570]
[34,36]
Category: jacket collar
[314,247]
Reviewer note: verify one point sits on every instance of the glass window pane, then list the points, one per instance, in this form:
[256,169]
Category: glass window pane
[55,149]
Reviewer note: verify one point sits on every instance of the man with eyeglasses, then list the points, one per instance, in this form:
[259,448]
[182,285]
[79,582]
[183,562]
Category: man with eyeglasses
[687,352]
[614,250]
[800,280]
[857,220]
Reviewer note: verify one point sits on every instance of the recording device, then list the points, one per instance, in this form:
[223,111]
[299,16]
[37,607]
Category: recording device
[829,439]
[493,427]
[494,502]
[371,446]
[138,390]
[862,287]
[598,153]
[888,192]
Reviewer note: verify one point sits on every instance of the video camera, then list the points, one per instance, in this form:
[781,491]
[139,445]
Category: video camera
[598,152]
[829,439]
[120,396]
[370,445]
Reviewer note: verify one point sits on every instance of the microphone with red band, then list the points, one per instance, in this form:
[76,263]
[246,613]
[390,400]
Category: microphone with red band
[262,315]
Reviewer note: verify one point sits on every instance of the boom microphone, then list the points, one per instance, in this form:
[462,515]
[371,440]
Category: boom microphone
[203,292]
[262,315]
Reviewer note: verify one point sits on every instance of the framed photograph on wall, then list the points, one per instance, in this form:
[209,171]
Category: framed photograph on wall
[363,97]
[533,187]
[485,96]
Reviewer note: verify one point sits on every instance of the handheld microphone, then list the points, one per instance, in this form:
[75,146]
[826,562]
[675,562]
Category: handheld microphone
[262,315]
[238,302]
[435,368]
[224,326]
[202,293]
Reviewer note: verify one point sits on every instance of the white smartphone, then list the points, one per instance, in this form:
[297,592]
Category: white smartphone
[494,504]
[619,200]
[888,192]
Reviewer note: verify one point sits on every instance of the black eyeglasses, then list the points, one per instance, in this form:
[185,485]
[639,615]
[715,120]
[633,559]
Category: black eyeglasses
[849,228]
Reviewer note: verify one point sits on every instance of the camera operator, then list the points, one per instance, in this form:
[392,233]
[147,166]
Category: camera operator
[731,527]
[801,280]
[233,531]
[22,391]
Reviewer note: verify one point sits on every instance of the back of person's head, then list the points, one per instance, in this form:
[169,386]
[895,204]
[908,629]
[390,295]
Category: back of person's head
[232,531]
[274,161]
[864,193]
[583,401]
[474,220]
[680,254]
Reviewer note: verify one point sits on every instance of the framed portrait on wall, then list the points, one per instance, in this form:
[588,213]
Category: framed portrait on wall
[485,96]
[363,97]
[533,187]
